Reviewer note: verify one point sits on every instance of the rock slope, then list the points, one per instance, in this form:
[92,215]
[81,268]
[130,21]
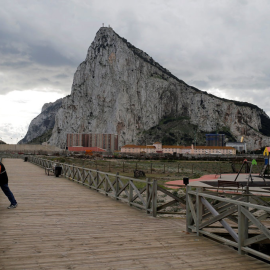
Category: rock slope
[121,89]
[43,123]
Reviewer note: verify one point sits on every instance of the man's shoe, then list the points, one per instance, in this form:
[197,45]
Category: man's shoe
[12,206]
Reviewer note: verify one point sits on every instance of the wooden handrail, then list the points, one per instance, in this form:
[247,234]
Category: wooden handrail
[246,212]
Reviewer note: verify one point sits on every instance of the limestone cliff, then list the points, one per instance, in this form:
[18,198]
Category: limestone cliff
[43,123]
[120,89]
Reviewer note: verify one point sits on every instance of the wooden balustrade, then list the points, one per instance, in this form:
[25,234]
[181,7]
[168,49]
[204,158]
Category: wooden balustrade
[144,194]
[139,193]
[241,216]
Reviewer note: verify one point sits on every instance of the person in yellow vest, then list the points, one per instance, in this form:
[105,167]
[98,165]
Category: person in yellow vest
[4,186]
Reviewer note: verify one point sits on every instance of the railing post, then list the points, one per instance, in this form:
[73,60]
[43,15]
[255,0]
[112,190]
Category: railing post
[154,198]
[241,230]
[106,186]
[188,211]
[199,207]
[130,195]
[242,225]
[148,194]
[63,169]
[116,186]
[97,179]
[73,172]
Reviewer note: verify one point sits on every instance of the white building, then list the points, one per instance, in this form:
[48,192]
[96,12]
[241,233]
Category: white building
[239,146]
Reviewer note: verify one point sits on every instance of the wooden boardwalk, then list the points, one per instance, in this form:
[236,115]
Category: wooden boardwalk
[60,224]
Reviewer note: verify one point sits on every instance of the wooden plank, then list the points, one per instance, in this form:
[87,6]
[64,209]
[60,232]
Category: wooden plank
[255,239]
[179,199]
[110,184]
[141,192]
[62,225]
[223,222]
[123,188]
[256,222]
[192,209]
[137,193]
[222,205]
[230,211]
[166,205]
[209,196]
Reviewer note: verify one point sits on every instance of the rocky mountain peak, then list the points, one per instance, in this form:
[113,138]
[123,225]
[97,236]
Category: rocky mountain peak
[120,89]
[45,106]
[107,37]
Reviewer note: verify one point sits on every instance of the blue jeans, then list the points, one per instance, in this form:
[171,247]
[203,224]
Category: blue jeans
[9,194]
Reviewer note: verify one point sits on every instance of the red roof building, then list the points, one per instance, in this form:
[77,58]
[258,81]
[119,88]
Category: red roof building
[179,149]
[83,149]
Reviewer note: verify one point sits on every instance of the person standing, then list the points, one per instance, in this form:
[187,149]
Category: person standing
[4,186]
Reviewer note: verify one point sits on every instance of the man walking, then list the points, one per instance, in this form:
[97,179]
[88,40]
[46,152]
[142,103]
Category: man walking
[5,188]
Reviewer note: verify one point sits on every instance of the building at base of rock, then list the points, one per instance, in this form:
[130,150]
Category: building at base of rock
[109,142]
[157,147]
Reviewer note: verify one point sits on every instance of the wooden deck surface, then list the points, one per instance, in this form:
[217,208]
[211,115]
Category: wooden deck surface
[60,224]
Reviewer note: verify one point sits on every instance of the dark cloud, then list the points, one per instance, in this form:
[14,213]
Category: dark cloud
[48,56]
[61,76]
[201,84]
[209,44]
[11,64]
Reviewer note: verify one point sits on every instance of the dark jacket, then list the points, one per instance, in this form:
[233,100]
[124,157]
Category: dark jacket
[3,175]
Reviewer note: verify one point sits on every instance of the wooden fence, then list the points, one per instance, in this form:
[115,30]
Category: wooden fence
[243,216]
[142,194]
[188,168]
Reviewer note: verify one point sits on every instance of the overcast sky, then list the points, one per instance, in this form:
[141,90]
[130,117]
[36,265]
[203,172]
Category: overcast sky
[221,47]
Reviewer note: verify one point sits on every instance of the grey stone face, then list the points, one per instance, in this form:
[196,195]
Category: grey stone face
[43,122]
[120,89]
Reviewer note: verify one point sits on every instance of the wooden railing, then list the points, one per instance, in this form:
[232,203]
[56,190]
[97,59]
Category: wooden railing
[10,155]
[241,215]
[142,194]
